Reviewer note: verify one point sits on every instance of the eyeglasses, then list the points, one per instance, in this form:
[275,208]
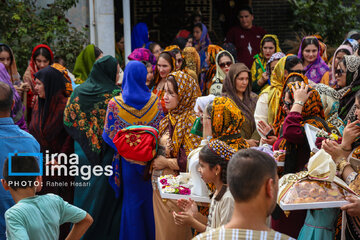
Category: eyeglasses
[339,72]
[227,64]
[298,71]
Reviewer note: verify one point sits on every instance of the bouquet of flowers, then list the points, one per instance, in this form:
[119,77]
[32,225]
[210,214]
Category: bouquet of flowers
[175,185]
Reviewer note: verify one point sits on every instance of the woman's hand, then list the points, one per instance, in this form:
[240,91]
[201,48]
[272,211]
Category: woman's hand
[351,132]
[264,128]
[253,142]
[270,140]
[183,218]
[160,162]
[334,149]
[301,92]
[353,208]
[263,79]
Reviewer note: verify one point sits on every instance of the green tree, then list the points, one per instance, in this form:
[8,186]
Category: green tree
[23,26]
[332,19]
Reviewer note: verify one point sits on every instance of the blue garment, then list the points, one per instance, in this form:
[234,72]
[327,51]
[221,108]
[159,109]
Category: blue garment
[139,36]
[40,217]
[12,139]
[319,224]
[135,82]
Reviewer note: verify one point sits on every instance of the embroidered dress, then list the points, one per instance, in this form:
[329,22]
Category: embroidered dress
[135,106]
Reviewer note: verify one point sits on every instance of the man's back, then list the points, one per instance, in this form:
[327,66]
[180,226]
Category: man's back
[12,139]
[40,217]
[223,233]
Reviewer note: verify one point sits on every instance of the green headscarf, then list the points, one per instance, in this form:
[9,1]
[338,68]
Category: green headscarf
[84,63]
[84,115]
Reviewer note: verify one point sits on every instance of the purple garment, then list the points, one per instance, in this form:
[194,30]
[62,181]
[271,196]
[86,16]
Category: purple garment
[316,70]
[143,54]
[204,39]
[17,113]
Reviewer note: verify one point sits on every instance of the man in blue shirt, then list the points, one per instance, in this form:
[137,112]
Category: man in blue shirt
[12,139]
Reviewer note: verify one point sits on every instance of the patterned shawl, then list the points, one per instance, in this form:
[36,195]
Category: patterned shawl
[332,80]
[143,54]
[316,69]
[192,59]
[84,63]
[85,111]
[180,120]
[347,99]
[212,52]
[13,72]
[227,120]
[204,39]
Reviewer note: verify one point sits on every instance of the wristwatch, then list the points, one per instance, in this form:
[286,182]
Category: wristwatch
[299,102]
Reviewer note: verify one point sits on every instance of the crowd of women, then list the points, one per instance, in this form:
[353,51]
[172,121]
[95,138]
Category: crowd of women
[202,102]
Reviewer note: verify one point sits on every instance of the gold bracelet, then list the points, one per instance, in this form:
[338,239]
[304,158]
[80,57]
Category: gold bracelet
[341,166]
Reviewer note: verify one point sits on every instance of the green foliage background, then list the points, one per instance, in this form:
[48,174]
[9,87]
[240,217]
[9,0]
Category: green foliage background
[23,26]
[332,19]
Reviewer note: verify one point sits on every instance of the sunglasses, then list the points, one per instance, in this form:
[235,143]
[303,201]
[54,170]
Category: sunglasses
[298,71]
[339,72]
[227,64]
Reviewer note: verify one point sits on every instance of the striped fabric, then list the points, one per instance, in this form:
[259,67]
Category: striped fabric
[241,234]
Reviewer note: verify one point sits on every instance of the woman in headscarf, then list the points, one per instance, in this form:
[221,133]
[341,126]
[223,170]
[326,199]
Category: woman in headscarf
[237,86]
[165,65]
[85,61]
[176,142]
[268,46]
[208,66]
[201,37]
[141,108]
[341,51]
[179,58]
[223,61]
[41,57]
[140,36]
[309,53]
[192,62]
[17,112]
[143,54]
[84,118]
[348,80]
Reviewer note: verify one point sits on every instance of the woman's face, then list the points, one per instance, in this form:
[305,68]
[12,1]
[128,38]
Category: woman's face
[339,57]
[157,51]
[207,174]
[171,98]
[340,75]
[149,76]
[120,44]
[5,59]
[287,103]
[225,63]
[39,88]
[310,53]
[357,108]
[272,65]
[179,61]
[189,42]
[241,82]
[41,62]
[268,50]
[164,67]
[197,33]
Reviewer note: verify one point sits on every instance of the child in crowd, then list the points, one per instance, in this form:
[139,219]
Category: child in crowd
[213,161]
[33,216]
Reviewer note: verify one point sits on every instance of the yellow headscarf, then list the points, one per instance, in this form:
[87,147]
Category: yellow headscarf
[192,61]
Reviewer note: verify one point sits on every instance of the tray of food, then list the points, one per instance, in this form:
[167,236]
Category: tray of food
[178,187]
[309,194]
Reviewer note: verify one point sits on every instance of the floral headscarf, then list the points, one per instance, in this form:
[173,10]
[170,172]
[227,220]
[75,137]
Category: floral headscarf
[180,120]
[333,67]
[275,57]
[143,54]
[315,70]
[227,120]
[347,93]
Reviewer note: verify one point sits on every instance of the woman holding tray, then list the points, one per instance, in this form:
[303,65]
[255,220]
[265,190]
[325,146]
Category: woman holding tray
[176,142]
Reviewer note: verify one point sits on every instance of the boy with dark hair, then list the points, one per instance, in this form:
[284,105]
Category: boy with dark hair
[33,216]
[253,182]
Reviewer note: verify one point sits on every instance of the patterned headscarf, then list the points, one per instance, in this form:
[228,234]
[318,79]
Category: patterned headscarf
[13,72]
[212,52]
[316,69]
[275,57]
[143,54]
[221,149]
[354,43]
[182,118]
[347,99]
[65,72]
[192,59]
[172,47]
[333,67]
[312,107]
[227,120]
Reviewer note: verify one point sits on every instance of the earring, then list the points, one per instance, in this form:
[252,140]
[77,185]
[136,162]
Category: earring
[216,174]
